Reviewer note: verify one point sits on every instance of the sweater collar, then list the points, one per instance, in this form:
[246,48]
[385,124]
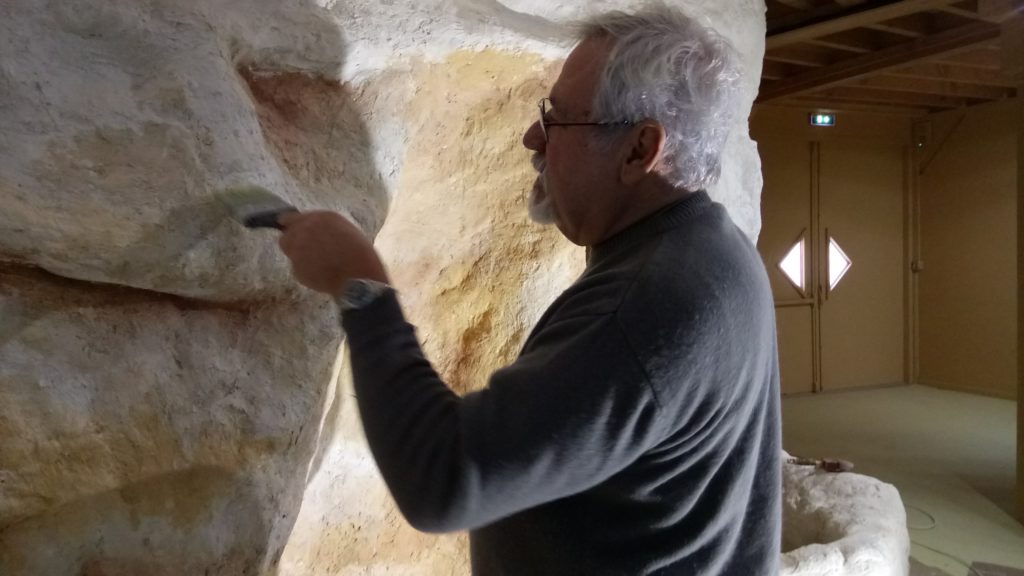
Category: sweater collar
[667,218]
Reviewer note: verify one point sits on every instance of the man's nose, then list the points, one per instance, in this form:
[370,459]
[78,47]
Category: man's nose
[534,138]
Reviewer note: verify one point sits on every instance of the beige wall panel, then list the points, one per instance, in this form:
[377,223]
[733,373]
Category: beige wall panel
[795,349]
[968,289]
[862,190]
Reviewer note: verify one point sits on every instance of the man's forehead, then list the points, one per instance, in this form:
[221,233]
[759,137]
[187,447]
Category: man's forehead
[582,69]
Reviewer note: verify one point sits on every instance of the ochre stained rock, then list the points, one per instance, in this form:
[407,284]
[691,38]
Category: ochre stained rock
[474,274]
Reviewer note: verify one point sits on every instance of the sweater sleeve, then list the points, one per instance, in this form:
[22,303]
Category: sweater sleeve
[572,411]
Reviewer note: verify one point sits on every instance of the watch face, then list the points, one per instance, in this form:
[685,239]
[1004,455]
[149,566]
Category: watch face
[359,293]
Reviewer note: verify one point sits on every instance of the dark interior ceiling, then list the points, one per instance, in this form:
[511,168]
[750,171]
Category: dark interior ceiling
[913,56]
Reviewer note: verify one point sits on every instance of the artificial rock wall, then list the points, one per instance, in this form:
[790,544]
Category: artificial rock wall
[170,403]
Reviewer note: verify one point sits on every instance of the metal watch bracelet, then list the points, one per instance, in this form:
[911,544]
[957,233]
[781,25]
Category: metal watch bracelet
[359,293]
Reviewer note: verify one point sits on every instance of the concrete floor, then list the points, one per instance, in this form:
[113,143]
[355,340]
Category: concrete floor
[951,455]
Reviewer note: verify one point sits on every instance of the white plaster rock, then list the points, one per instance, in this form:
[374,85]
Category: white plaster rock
[151,435]
[120,120]
[842,525]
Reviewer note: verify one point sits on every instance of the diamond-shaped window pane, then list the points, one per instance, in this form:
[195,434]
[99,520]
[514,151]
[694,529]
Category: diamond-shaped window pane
[793,265]
[838,263]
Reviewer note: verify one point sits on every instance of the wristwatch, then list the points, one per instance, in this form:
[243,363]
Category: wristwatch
[359,293]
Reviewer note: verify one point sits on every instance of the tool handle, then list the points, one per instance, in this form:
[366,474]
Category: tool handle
[268,219]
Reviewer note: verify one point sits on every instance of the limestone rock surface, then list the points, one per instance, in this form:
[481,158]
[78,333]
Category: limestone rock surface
[842,525]
[152,435]
[121,120]
[161,377]
[473,273]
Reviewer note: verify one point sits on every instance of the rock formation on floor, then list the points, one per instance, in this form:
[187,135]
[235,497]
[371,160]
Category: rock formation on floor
[841,525]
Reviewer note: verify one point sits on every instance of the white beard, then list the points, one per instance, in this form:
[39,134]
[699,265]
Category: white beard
[539,207]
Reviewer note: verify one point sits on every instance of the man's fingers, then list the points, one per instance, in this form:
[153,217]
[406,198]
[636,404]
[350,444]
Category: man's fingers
[289,217]
[286,242]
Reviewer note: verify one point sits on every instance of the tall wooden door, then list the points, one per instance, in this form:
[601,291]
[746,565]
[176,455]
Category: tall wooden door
[862,217]
[832,241]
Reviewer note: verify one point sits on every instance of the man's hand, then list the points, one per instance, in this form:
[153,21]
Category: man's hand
[326,251]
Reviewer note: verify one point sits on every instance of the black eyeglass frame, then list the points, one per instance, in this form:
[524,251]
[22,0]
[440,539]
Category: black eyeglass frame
[545,123]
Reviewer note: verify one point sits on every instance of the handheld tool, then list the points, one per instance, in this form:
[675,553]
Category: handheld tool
[254,206]
[826,464]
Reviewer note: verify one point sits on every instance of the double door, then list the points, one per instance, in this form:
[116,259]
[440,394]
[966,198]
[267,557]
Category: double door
[832,239]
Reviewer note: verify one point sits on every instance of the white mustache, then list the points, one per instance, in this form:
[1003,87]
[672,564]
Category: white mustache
[538,162]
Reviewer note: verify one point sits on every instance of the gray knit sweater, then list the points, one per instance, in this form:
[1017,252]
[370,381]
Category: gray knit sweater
[637,433]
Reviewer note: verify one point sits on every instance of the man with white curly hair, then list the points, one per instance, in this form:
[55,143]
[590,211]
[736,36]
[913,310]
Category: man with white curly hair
[638,432]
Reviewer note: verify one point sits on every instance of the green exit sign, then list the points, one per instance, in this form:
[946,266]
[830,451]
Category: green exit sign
[819,119]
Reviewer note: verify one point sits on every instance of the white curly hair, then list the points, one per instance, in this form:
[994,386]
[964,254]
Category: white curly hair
[666,67]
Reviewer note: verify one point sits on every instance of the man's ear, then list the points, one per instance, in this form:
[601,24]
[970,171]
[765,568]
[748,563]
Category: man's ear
[643,149]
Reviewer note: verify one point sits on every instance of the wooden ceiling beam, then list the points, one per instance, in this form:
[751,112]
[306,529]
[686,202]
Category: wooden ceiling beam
[871,95]
[900,30]
[995,11]
[885,59]
[984,58]
[832,18]
[844,46]
[1000,11]
[912,25]
[797,4]
[820,105]
[962,9]
[860,41]
[936,87]
[921,24]
[775,9]
[960,12]
[958,74]
[800,55]
[777,70]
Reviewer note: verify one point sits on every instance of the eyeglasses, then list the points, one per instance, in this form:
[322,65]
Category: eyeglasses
[545,123]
